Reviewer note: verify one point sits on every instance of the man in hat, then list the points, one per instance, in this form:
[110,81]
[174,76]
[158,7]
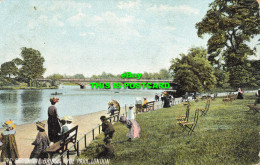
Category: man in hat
[40,143]
[108,150]
[9,147]
[107,127]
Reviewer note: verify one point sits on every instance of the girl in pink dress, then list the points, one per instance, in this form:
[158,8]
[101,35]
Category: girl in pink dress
[133,126]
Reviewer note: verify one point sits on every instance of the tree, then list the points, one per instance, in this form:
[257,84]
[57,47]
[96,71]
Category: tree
[55,77]
[9,68]
[231,24]
[32,65]
[79,76]
[193,71]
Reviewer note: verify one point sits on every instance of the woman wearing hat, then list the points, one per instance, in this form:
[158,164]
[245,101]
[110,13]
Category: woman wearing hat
[40,143]
[53,121]
[9,147]
[133,126]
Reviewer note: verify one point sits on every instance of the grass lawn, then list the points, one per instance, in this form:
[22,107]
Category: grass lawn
[226,135]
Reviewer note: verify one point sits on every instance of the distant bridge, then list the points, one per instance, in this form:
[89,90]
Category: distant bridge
[89,80]
[83,82]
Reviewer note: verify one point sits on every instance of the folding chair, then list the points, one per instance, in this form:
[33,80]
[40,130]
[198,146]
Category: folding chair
[191,125]
[184,118]
[205,110]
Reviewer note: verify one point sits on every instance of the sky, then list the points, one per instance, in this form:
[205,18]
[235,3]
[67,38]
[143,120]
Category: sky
[93,36]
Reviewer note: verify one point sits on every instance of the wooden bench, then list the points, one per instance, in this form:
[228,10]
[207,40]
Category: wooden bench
[149,106]
[62,146]
[190,126]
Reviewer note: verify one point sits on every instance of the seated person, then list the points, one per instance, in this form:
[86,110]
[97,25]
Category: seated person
[69,123]
[144,104]
[64,128]
[111,108]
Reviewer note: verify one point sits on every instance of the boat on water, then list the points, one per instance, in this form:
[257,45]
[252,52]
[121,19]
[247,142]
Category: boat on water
[56,93]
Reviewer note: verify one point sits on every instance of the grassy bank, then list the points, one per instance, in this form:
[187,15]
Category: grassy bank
[226,135]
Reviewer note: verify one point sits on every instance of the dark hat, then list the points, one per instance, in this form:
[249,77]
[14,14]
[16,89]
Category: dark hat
[103,118]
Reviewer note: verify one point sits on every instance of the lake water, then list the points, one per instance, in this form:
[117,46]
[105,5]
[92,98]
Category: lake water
[28,106]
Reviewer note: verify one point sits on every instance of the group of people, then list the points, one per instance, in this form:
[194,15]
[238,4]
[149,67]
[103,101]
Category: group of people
[56,128]
[108,129]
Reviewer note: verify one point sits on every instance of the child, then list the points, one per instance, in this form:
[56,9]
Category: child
[108,150]
[133,126]
[69,123]
[107,127]
[64,127]
[41,143]
[9,147]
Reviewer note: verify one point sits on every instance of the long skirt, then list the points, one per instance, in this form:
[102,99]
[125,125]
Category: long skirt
[53,129]
[134,131]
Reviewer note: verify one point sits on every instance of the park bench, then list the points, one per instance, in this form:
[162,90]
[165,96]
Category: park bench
[149,106]
[115,117]
[185,117]
[205,97]
[205,110]
[62,146]
[253,108]
[190,126]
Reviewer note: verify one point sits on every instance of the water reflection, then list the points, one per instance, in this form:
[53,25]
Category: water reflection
[31,109]
[8,98]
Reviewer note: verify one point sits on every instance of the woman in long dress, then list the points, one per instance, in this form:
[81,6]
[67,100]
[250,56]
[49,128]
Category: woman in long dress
[9,147]
[239,94]
[133,126]
[53,121]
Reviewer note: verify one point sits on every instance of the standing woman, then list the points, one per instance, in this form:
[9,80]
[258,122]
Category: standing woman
[53,121]
[240,94]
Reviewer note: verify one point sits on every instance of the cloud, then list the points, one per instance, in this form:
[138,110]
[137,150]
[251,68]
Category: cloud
[128,5]
[79,18]
[61,5]
[184,9]
[82,34]
[170,28]
[55,20]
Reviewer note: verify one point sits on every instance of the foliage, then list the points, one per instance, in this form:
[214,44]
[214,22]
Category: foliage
[162,74]
[231,24]
[222,77]
[32,65]
[55,77]
[193,71]
[9,68]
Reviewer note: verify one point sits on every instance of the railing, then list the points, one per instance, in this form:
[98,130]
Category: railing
[114,118]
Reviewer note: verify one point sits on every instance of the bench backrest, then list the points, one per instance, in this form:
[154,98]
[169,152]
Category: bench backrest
[66,138]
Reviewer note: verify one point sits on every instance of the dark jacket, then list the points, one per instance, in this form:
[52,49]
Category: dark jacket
[107,127]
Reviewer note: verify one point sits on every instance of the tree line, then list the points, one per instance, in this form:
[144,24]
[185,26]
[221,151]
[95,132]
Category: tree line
[162,74]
